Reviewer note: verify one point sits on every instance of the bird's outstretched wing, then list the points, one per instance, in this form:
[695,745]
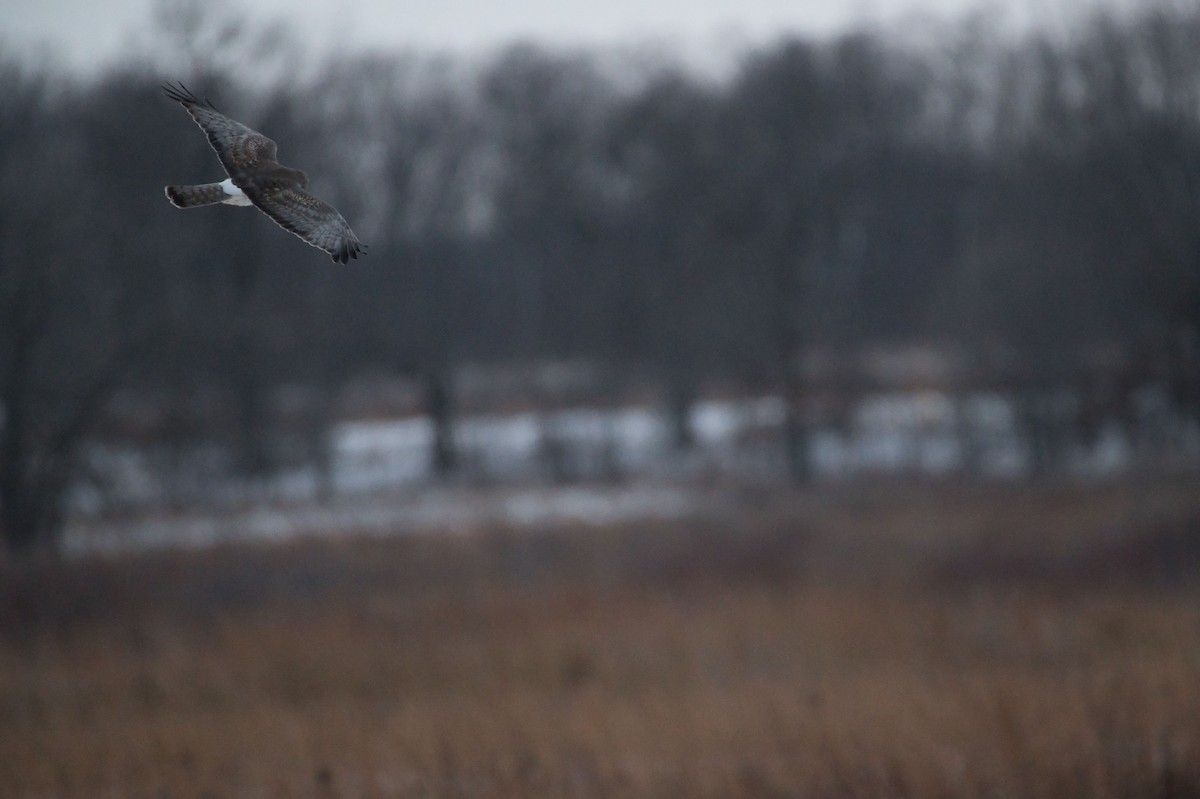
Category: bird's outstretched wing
[243,151]
[315,221]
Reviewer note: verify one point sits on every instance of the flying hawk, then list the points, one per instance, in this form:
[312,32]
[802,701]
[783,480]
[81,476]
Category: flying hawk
[256,178]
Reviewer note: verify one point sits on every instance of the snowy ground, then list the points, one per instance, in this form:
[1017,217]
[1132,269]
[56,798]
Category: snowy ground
[380,480]
[430,508]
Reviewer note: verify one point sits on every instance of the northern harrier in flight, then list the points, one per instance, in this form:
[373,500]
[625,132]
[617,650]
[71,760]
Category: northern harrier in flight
[256,178]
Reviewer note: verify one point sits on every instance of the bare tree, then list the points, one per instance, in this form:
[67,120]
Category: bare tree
[820,137]
[415,145]
[668,268]
[73,321]
[548,115]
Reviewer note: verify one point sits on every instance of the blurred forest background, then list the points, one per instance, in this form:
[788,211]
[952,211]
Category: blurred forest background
[948,253]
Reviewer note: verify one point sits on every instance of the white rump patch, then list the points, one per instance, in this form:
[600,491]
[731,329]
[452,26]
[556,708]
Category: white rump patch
[236,196]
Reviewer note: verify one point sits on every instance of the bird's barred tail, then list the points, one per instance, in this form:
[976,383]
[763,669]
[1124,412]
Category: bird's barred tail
[193,196]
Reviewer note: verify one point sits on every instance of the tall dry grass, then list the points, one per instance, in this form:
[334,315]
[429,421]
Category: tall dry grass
[870,644]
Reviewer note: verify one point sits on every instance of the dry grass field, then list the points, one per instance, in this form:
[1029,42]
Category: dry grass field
[897,641]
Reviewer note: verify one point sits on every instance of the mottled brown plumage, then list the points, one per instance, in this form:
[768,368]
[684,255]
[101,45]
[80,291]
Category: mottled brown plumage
[256,178]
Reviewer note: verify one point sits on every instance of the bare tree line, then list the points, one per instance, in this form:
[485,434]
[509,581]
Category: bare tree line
[1032,207]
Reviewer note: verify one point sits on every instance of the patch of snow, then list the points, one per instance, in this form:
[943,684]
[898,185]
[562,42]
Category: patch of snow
[395,513]
[379,478]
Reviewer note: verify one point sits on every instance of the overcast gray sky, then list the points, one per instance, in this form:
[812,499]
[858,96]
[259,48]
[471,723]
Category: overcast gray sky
[88,32]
